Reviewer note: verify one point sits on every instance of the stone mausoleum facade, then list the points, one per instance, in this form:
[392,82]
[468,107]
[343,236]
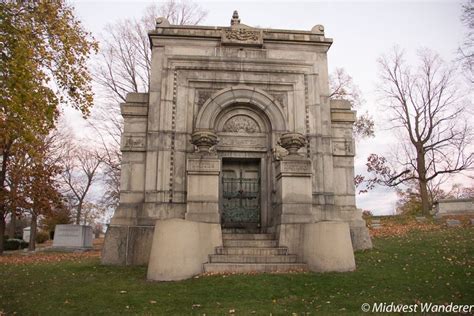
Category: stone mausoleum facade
[236,135]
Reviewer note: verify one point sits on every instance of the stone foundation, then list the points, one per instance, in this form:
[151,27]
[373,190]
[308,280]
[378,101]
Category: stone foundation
[325,246]
[127,245]
[360,235]
[180,248]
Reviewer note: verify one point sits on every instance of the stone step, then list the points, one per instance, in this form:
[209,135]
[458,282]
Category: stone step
[252,259]
[250,243]
[254,267]
[261,251]
[248,236]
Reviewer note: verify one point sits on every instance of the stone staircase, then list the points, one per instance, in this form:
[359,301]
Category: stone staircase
[251,252]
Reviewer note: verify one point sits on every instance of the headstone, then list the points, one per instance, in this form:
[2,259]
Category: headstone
[376,224]
[26,234]
[472,221]
[73,236]
[453,223]
[420,219]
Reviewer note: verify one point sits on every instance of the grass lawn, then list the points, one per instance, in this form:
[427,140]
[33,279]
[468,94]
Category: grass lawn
[431,266]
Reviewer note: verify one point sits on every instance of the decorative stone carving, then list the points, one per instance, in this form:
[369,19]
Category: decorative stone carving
[133,142]
[204,140]
[235,18]
[241,124]
[242,35]
[295,166]
[292,142]
[248,143]
[203,96]
[280,98]
[162,22]
[278,153]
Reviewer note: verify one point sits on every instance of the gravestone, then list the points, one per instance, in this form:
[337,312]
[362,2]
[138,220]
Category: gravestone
[26,234]
[454,207]
[420,219]
[73,236]
[453,223]
[376,224]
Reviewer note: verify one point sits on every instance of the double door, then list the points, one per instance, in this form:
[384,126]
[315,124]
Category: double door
[240,193]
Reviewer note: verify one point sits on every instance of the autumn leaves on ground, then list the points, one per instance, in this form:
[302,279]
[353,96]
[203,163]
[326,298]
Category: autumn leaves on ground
[411,262]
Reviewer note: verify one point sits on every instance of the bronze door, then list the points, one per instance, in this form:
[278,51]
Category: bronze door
[240,194]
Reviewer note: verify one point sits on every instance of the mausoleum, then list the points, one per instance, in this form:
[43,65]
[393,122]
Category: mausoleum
[236,159]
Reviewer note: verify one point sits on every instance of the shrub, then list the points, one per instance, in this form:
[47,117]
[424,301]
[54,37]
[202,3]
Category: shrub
[41,237]
[14,244]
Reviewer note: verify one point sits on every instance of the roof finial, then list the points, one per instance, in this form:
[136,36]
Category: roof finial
[235,18]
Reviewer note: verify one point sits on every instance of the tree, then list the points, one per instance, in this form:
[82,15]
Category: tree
[42,189]
[80,171]
[428,113]
[124,66]
[466,51]
[342,86]
[44,51]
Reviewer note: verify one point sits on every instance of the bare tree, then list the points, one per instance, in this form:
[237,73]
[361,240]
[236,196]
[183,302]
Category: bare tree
[80,172]
[181,12]
[125,54]
[431,119]
[466,51]
[342,86]
[123,66]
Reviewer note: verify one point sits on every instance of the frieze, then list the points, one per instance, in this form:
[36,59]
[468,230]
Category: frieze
[295,166]
[133,143]
[203,165]
[245,142]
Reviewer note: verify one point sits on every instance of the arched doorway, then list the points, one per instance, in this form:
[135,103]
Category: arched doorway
[247,122]
[245,141]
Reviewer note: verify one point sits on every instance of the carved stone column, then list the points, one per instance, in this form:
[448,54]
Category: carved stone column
[203,169]
[293,182]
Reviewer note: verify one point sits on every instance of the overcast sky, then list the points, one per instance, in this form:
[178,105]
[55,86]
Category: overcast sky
[362,31]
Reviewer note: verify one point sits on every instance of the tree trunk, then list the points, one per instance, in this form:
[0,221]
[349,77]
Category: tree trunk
[79,211]
[11,232]
[3,173]
[425,199]
[422,182]
[32,244]
[2,232]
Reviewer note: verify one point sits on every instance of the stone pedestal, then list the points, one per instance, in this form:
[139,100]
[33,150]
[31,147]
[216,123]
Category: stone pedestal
[203,189]
[73,236]
[202,172]
[327,247]
[180,248]
[293,189]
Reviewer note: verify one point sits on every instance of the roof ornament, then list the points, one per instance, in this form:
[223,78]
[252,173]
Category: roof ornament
[235,18]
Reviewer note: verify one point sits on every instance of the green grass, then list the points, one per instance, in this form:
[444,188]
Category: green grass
[435,266]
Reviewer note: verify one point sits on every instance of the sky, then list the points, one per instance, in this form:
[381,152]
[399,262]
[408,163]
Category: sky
[361,30]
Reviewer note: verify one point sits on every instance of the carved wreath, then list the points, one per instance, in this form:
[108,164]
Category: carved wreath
[242,35]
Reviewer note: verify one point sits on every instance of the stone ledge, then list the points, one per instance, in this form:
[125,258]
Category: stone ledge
[343,116]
